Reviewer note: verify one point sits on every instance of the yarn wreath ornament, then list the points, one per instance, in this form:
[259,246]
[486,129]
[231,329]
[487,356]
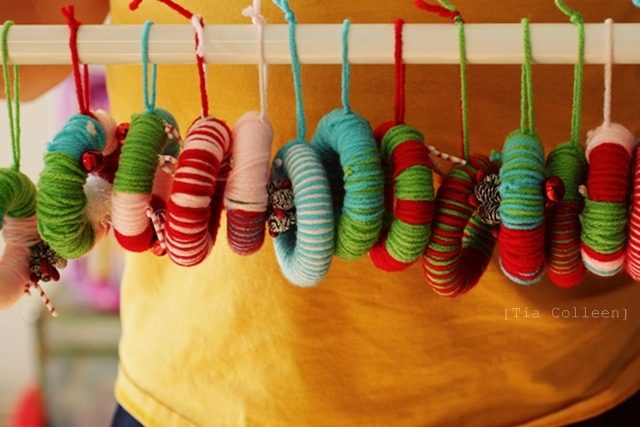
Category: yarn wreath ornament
[145,174]
[461,243]
[305,250]
[246,196]
[349,153]
[26,259]
[73,202]
[195,201]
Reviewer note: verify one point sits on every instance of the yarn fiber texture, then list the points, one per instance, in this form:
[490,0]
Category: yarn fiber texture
[605,215]
[195,203]
[61,201]
[409,198]
[564,261]
[134,180]
[461,245]
[305,251]
[349,153]
[522,205]
[246,191]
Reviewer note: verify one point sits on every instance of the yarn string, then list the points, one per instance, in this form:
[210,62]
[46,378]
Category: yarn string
[447,10]
[526,100]
[346,67]
[258,20]
[149,94]
[13,101]
[400,72]
[577,19]
[608,24]
[81,78]
[295,67]
[198,25]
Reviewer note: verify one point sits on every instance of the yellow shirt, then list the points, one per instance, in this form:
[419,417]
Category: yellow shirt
[232,343]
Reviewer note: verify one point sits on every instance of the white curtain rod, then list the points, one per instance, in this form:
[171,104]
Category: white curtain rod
[321,44]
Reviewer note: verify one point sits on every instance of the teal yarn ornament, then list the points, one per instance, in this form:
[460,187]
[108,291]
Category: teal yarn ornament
[304,251]
[349,153]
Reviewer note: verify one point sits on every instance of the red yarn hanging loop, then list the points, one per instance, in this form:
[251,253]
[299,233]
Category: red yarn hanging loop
[202,66]
[81,78]
[438,9]
[398,105]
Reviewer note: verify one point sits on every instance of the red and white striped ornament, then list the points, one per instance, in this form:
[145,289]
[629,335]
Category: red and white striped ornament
[195,203]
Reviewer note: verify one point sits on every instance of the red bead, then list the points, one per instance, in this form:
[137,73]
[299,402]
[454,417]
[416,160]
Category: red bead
[273,234]
[480,176]
[285,184]
[280,213]
[92,160]
[554,187]
[46,268]
[157,249]
[121,132]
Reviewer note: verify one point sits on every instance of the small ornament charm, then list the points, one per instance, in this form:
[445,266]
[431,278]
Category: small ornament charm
[92,161]
[554,190]
[486,198]
[44,263]
[281,211]
[121,132]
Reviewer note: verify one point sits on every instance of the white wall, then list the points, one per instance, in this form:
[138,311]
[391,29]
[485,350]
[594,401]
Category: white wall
[18,367]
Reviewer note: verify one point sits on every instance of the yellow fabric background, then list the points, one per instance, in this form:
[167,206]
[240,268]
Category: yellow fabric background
[230,342]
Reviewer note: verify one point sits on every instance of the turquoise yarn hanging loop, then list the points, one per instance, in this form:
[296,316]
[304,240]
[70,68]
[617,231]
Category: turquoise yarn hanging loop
[304,251]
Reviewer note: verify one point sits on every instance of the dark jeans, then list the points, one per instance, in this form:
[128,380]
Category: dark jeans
[625,414]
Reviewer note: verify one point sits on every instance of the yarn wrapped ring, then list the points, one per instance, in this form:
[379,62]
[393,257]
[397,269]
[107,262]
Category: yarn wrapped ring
[142,182]
[305,250]
[605,215]
[20,232]
[196,201]
[69,221]
[246,195]
[562,224]
[522,208]
[632,263]
[409,197]
[349,153]
[461,244]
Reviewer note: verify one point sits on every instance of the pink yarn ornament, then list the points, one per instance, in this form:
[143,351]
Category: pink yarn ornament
[246,193]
